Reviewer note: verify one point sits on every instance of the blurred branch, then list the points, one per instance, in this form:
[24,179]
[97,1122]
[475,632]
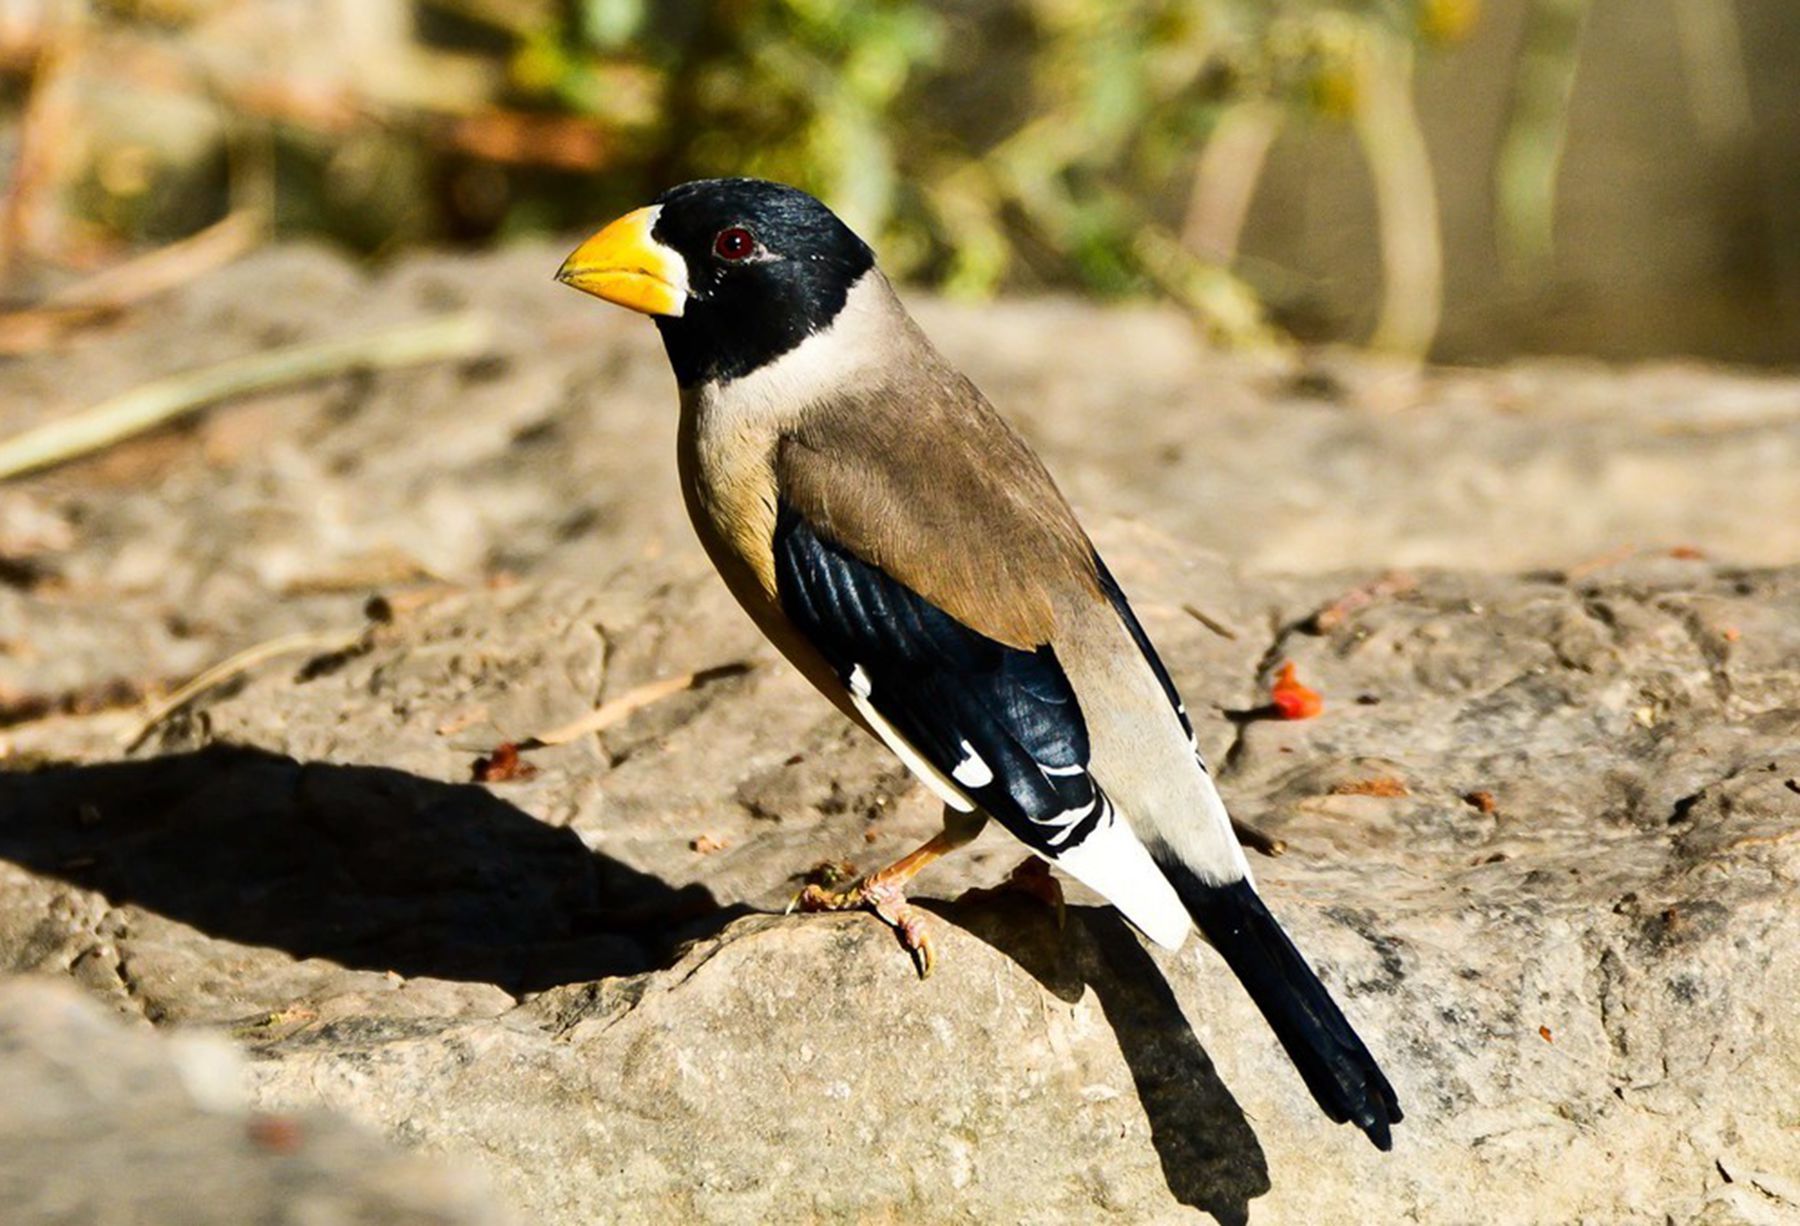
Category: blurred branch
[1225,181]
[107,293]
[39,327]
[446,338]
[1412,258]
[1525,168]
[41,136]
[1229,309]
[1060,143]
[163,269]
[1718,82]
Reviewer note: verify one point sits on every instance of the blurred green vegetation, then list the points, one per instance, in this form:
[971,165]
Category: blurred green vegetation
[979,143]
[1112,146]
[1030,141]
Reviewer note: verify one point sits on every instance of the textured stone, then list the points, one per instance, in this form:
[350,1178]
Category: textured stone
[1592,976]
[1542,841]
[100,1123]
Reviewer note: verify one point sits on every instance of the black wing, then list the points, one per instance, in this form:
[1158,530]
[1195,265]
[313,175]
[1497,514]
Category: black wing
[1001,722]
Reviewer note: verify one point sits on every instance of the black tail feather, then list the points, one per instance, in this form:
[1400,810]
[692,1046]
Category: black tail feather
[1333,1062]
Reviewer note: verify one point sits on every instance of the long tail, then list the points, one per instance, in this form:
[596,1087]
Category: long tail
[1333,1062]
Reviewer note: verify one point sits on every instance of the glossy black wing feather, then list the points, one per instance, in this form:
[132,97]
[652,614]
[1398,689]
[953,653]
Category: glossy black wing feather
[1002,723]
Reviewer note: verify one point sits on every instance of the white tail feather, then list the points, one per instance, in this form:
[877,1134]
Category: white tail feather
[1113,864]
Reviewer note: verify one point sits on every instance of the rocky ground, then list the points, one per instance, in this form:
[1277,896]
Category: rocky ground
[1542,841]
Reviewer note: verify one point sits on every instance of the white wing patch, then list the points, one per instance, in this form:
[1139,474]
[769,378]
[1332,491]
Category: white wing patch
[1110,860]
[1066,821]
[928,774]
[1113,864]
[972,771]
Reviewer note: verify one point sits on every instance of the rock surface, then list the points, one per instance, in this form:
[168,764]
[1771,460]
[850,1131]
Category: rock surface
[107,1124]
[1542,842]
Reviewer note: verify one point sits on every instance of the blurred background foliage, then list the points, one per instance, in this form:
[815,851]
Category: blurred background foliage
[1391,172]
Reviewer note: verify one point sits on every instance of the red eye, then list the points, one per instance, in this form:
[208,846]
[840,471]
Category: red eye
[734,243]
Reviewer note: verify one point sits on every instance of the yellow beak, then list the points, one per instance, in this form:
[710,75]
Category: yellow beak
[624,264]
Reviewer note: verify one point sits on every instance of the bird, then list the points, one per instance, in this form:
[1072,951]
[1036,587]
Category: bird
[900,543]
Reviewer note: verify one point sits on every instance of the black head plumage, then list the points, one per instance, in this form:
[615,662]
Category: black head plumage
[768,266]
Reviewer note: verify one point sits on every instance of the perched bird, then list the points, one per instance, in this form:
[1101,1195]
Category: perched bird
[906,550]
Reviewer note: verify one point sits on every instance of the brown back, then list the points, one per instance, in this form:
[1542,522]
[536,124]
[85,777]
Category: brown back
[914,472]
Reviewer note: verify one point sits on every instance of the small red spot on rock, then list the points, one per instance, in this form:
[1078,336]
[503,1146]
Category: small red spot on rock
[1484,801]
[504,765]
[1291,699]
[1544,1034]
[279,1134]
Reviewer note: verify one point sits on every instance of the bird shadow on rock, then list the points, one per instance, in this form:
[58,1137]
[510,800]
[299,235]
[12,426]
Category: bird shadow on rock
[372,868]
[1211,1158]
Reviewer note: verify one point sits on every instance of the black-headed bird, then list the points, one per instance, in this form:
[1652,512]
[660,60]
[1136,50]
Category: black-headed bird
[904,548]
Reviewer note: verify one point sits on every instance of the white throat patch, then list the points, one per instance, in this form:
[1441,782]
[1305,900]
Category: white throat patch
[863,334]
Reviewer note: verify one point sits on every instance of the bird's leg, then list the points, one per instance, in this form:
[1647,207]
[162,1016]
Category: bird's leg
[884,890]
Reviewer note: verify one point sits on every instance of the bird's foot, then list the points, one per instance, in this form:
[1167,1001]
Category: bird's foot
[1031,877]
[887,899]
[828,875]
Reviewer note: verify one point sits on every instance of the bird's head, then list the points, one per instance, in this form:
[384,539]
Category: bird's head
[736,272]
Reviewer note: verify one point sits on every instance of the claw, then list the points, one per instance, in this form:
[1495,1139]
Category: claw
[888,902]
[915,938]
[908,923]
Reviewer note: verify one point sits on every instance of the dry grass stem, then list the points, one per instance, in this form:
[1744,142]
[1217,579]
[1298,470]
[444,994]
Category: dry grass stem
[446,338]
[632,701]
[105,294]
[321,641]
[1210,622]
[167,267]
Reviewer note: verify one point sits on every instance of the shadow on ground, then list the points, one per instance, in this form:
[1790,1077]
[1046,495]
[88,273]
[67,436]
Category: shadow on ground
[379,869]
[375,869]
[1210,1155]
